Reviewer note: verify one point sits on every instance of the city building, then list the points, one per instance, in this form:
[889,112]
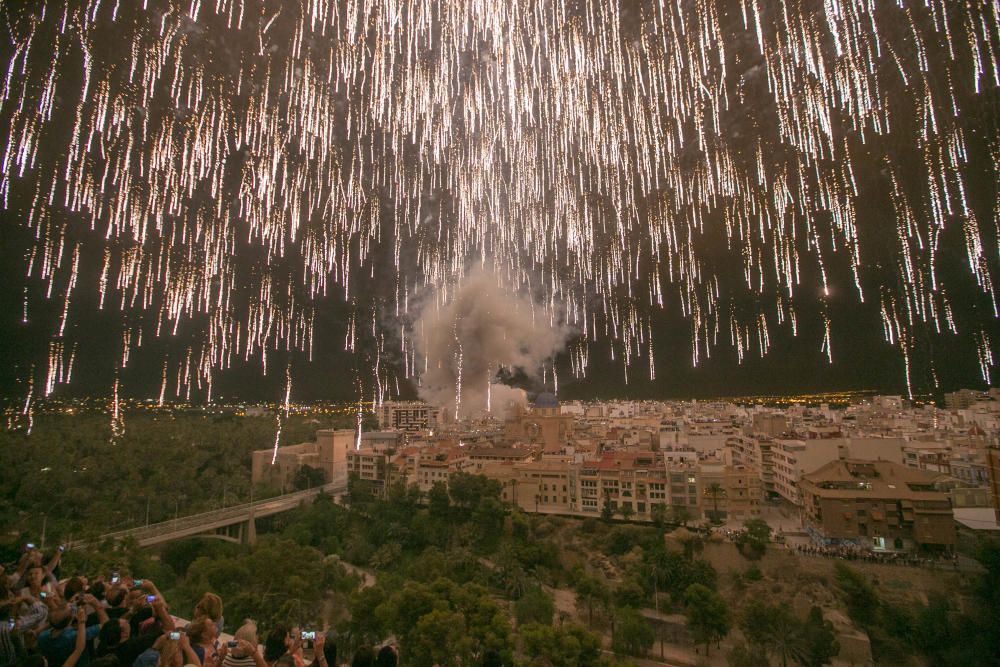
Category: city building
[993,463]
[536,486]
[327,453]
[437,465]
[962,399]
[792,458]
[729,492]
[542,424]
[879,505]
[370,465]
[481,457]
[408,416]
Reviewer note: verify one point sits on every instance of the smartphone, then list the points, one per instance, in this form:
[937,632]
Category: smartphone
[150,599]
[175,635]
[44,595]
[11,623]
[62,548]
[29,546]
[137,583]
[232,643]
[115,578]
[308,635]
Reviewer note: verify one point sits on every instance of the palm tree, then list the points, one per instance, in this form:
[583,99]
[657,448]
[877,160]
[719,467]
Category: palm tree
[714,490]
[590,590]
[657,514]
[788,643]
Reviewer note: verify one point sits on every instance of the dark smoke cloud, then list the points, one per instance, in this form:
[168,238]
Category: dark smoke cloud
[480,328]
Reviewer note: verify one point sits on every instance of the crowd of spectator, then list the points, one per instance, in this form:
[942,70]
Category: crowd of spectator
[853,552]
[115,620]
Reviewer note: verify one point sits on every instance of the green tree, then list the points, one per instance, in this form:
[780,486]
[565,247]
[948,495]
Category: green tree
[748,655]
[246,582]
[571,645]
[435,639]
[360,492]
[445,622]
[510,573]
[862,600]
[820,641]
[752,542]
[590,591]
[626,511]
[633,635]
[607,510]
[439,502]
[467,491]
[681,514]
[307,477]
[630,593]
[776,629]
[658,513]
[365,625]
[707,615]
[535,606]
[488,519]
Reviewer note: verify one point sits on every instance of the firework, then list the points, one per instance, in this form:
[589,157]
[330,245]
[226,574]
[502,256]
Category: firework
[230,164]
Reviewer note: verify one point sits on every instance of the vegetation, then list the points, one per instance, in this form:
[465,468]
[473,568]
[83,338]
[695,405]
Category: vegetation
[633,634]
[707,614]
[940,631]
[752,542]
[774,630]
[165,464]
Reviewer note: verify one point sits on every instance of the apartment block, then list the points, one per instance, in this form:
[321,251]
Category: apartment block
[879,505]
[408,416]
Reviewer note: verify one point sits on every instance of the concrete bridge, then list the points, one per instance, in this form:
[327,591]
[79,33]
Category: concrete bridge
[232,524]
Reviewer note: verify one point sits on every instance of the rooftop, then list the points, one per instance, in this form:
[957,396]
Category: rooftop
[851,478]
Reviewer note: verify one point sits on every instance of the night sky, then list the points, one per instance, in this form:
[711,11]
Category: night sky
[397,208]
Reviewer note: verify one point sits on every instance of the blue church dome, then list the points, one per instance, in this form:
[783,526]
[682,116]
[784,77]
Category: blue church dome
[546,400]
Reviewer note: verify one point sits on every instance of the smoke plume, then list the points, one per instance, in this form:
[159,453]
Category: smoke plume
[479,331]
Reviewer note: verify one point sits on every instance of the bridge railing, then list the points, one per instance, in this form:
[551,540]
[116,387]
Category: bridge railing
[241,511]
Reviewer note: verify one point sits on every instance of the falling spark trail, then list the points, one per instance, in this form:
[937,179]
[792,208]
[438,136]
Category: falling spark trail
[233,166]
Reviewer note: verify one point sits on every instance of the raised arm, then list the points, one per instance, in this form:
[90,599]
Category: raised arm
[53,563]
[93,602]
[320,657]
[189,654]
[251,650]
[81,638]
[160,610]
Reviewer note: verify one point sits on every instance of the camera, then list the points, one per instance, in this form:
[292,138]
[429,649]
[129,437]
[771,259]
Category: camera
[11,623]
[62,548]
[137,583]
[232,643]
[43,595]
[175,635]
[29,546]
[308,635]
[150,599]
[115,578]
